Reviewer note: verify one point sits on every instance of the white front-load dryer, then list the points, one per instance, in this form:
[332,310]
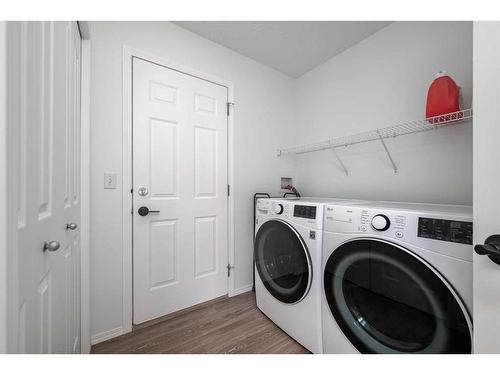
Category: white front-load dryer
[287,254]
[397,278]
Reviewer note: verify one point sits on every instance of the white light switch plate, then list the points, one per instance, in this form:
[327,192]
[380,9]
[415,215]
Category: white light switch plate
[110,180]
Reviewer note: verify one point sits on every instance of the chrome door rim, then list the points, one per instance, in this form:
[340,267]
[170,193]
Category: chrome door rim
[306,252]
[429,266]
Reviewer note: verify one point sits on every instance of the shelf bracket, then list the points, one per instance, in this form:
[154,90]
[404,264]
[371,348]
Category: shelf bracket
[340,162]
[388,153]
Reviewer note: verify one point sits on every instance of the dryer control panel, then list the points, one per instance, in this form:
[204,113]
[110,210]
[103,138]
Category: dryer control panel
[306,212]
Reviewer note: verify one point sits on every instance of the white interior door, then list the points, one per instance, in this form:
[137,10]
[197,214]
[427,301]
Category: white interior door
[179,170]
[44,100]
[486,184]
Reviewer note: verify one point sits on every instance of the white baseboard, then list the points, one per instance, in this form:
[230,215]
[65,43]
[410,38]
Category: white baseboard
[106,335]
[240,290]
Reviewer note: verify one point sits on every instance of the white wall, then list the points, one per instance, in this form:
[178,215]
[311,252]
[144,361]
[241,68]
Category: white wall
[263,120]
[379,82]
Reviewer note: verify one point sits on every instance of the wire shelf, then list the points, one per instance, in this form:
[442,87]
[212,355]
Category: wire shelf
[410,127]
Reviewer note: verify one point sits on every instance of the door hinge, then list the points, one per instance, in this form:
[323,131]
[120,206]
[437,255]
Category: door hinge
[229,268]
[229,105]
[228,190]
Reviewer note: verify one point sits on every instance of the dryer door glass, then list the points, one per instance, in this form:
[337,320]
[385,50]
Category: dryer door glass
[282,261]
[387,300]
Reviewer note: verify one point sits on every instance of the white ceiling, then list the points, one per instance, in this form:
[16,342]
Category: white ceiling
[292,47]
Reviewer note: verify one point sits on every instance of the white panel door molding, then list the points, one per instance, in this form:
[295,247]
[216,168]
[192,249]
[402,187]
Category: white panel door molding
[45,118]
[180,253]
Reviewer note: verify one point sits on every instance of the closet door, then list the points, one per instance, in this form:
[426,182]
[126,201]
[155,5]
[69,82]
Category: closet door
[45,100]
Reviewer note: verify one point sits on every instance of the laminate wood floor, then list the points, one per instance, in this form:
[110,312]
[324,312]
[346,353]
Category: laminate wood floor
[225,325]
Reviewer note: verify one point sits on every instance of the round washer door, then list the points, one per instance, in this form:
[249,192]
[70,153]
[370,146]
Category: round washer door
[387,300]
[282,261]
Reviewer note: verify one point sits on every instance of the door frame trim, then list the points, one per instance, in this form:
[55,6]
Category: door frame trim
[127,224]
[4,222]
[85,66]
[8,205]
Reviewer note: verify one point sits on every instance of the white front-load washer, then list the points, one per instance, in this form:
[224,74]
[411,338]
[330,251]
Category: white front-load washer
[287,251]
[397,278]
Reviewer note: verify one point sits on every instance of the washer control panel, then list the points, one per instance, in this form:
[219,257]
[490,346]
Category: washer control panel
[449,234]
[381,222]
[445,230]
[356,220]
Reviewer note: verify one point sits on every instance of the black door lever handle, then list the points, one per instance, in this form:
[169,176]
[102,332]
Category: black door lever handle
[491,248]
[144,211]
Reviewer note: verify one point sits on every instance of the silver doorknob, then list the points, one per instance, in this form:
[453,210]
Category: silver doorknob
[51,246]
[71,226]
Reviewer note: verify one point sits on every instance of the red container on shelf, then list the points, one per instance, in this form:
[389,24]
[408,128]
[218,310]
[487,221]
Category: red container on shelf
[443,98]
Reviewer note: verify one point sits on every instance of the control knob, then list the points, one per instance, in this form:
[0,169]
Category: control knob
[381,222]
[278,209]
